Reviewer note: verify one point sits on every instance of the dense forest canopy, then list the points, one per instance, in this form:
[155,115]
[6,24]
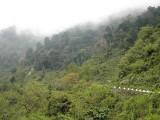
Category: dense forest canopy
[71,75]
[141,64]
[77,45]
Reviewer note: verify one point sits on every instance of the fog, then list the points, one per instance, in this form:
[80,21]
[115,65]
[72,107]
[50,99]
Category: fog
[52,16]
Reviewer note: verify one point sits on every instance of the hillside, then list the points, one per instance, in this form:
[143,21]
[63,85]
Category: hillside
[72,75]
[13,47]
[140,66]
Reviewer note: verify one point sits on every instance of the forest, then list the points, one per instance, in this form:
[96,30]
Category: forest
[74,74]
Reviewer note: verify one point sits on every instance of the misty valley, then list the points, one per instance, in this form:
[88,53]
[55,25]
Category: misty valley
[104,71]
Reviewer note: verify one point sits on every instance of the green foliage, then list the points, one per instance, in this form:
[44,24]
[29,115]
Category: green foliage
[71,76]
[68,81]
[94,101]
[34,116]
[98,113]
[62,117]
[140,65]
[12,79]
[71,46]
[141,107]
[58,104]
[73,68]
[101,69]
[152,117]
[125,34]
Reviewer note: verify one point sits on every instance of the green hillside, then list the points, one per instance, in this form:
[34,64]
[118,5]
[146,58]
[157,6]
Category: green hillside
[140,66]
[72,75]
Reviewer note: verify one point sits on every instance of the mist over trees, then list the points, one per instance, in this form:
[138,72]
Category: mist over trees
[78,44]
[13,46]
[74,74]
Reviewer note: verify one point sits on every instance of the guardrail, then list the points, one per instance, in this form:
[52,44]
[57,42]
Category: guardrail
[135,90]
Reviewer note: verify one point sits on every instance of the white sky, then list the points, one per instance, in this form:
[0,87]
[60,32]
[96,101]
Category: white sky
[51,16]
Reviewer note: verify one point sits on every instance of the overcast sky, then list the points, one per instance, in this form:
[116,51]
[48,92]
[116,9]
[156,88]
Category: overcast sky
[51,16]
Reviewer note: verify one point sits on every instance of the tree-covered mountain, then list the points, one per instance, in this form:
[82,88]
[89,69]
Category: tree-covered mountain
[75,45]
[71,76]
[13,47]
[140,66]
[78,44]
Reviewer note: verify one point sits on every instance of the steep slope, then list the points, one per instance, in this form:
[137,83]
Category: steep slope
[140,66]
[71,76]
[13,46]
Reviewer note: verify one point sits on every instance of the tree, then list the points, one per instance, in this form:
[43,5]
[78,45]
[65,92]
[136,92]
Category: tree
[30,56]
[59,104]
[12,80]
[68,81]
[47,43]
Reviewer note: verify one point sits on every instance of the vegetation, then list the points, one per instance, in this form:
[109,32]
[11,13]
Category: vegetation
[140,66]
[71,76]
[13,46]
